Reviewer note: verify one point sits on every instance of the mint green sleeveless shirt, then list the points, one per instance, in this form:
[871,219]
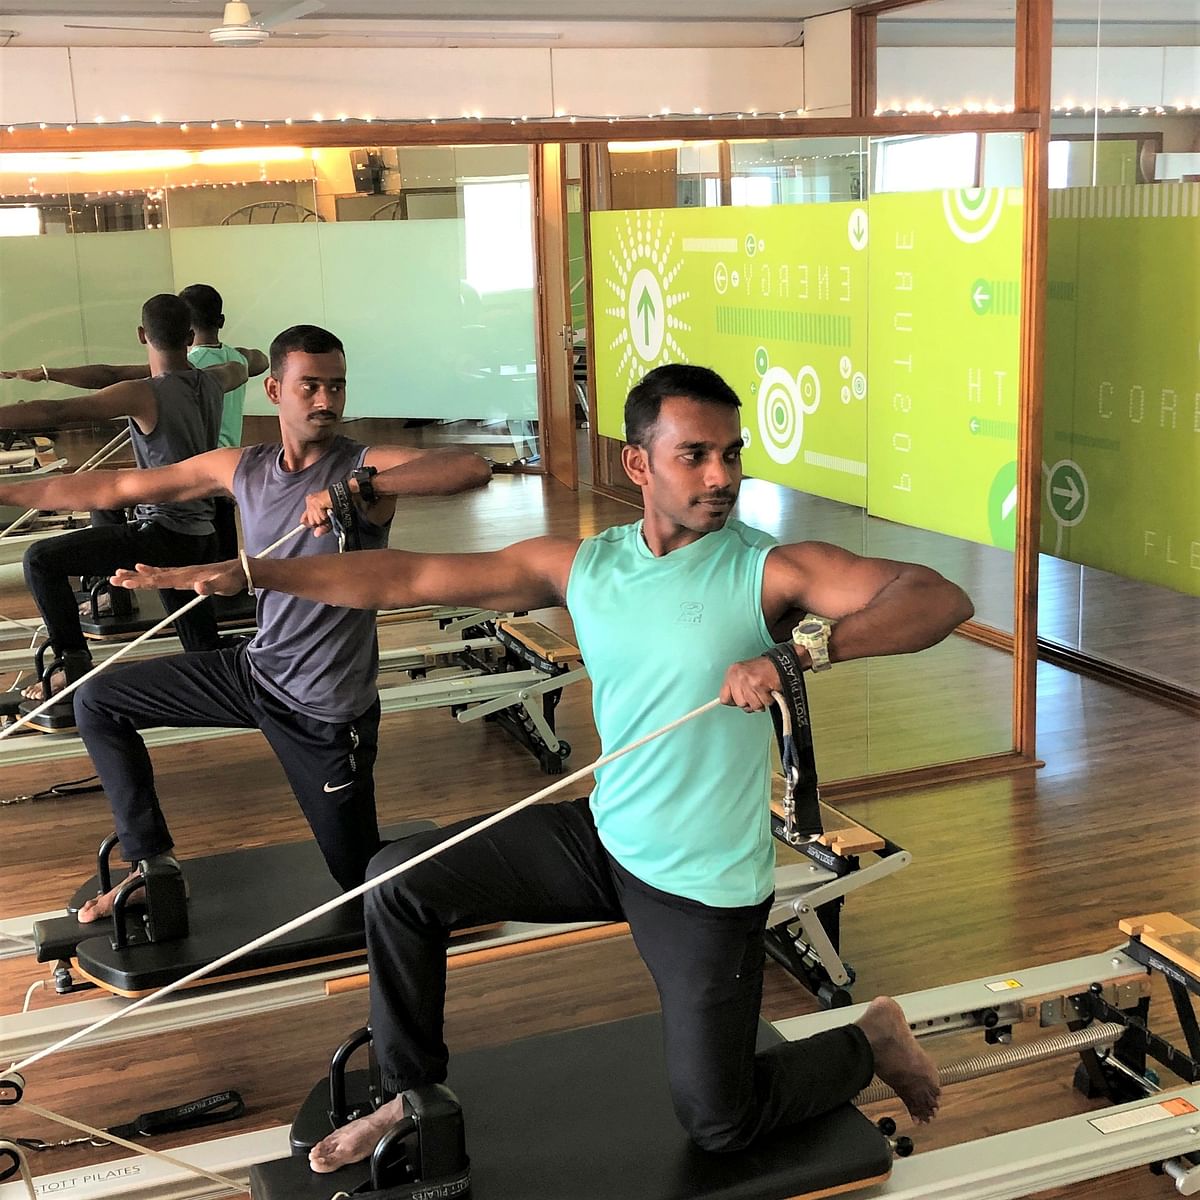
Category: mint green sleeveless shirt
[231,414]
[689,812]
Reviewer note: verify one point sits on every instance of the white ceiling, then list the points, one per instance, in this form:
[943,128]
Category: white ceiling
[566,23]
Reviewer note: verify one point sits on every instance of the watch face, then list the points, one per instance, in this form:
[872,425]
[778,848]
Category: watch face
[810,628]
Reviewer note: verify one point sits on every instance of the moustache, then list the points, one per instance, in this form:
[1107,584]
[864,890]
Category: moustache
[711,496]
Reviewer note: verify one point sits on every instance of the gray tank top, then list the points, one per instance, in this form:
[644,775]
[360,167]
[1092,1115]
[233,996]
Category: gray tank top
[189,419]
[319,659]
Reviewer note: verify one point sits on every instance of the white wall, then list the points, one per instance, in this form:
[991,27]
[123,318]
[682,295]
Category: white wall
[60,85]
[944,76]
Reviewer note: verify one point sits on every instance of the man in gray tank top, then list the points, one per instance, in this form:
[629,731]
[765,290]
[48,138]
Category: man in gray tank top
[308,678]
[173,414]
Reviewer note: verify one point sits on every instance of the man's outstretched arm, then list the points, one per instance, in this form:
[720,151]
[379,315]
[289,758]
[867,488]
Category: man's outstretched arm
[130,398]
[90,376]
[208,474]
[530,574]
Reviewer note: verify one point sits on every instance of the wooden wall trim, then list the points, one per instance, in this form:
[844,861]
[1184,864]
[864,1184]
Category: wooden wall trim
[864,63]
[469,133]
[1006,762]
[1032,95]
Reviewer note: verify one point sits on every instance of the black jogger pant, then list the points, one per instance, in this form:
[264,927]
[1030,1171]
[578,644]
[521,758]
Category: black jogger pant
[547,864]
[100,550]
[329,765]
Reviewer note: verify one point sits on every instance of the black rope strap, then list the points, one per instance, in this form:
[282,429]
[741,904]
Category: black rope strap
[343,516]
[72,787]
[793,729]
[208,1110]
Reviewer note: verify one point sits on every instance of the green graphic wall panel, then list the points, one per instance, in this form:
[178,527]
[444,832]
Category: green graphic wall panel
[774,299]
[944,361]
[1121,459]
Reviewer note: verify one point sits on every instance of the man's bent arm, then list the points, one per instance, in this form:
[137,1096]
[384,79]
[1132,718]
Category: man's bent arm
[230,375]
[257,362]
[205,475]
[408,472]
[880,606]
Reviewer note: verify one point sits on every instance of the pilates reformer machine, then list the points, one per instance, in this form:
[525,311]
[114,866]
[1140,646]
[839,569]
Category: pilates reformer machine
[549,1116]
[509,670]
[234,900]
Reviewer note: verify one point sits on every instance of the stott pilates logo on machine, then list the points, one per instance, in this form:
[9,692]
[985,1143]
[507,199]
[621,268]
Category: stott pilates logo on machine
[690,613]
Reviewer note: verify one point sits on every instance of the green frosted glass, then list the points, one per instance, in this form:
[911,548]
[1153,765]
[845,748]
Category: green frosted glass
[269,277]
[420,341]
[118,273]
[39,310]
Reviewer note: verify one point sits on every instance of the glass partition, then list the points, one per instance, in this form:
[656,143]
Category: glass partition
[863,298]
[420,259]
[1120,569]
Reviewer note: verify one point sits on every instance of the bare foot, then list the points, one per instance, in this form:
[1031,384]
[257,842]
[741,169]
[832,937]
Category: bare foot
[356,1140]
[36,691]
[100,907]
[899,1060]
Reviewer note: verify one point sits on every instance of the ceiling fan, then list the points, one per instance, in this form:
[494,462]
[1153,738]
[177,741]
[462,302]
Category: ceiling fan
[238,26]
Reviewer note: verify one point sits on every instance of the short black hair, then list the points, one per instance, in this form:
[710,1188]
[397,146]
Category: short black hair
[308,339]
[167,322]
[690,382]
[205,304]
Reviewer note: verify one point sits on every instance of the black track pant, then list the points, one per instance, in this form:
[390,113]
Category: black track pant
[547,864]
[100,550]
[329,765]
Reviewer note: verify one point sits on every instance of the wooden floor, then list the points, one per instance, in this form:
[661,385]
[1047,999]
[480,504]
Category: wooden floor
[1007,872]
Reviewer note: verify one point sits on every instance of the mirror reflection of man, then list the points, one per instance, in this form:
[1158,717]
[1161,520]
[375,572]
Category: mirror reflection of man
[174,412]
[308,679]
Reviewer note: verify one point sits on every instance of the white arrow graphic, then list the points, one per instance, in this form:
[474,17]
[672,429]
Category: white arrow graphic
[1071,490]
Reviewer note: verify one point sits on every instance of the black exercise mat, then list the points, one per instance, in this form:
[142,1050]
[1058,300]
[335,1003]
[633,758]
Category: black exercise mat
[235,897]
[586,1115]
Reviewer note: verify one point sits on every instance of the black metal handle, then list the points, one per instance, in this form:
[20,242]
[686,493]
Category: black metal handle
[120,936]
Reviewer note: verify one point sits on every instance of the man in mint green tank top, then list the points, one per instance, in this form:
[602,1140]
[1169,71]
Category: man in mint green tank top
[205,304]
[669,612]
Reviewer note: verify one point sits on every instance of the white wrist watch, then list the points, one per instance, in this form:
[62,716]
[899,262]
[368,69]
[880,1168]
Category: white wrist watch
[812,634]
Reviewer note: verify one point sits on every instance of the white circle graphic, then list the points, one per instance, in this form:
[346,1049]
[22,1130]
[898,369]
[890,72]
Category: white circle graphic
[646,313]
[859,385]
[972,213]
[783,403]
[845,366]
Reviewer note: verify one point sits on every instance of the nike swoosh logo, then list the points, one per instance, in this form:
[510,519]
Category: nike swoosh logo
[340,787]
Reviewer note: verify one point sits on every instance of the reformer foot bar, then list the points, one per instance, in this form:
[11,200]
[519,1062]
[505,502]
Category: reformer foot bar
[58,939]
[549,1116]
[502,674]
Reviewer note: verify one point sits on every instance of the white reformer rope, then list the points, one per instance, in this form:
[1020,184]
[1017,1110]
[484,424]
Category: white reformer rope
[62,693]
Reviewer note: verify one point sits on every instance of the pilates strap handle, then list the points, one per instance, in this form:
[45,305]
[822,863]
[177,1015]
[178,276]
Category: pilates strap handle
[343,516]
[793,731]
[208,1110]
